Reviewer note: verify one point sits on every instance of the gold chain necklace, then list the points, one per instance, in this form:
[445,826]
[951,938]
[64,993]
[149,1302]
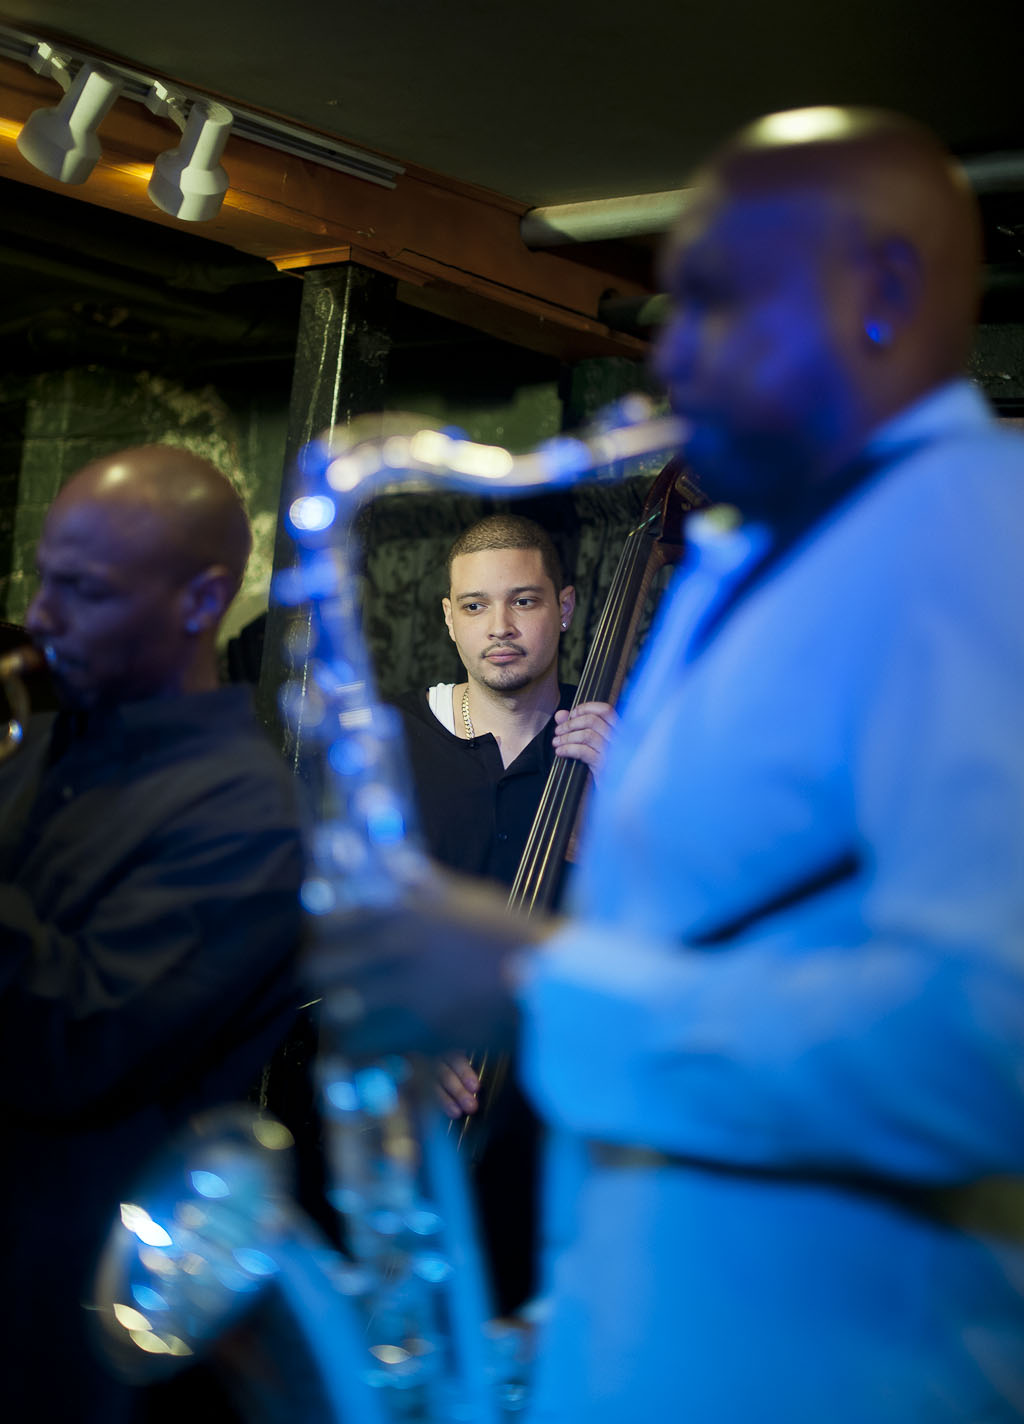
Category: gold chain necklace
[467,719]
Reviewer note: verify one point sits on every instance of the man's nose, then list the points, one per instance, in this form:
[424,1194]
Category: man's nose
[40,620]
[502,622]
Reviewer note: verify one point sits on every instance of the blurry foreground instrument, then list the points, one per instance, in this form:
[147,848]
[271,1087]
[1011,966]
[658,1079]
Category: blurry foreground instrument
[654,541]
[14,667]
[412,1297]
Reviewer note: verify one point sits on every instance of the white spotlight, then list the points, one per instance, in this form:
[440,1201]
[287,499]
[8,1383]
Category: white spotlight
[62,142]
[188,181]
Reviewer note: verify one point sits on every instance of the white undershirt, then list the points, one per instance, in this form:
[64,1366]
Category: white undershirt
[439,700]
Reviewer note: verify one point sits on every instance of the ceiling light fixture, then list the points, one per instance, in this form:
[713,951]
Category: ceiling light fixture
[62,142]
[248,124]
[189,181]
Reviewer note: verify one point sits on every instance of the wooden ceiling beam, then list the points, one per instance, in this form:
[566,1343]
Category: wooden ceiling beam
[458,243]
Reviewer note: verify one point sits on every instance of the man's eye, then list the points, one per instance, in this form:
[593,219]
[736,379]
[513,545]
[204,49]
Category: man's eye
[89,592]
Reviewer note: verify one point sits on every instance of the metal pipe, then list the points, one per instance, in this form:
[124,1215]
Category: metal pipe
[635,315]
[995,172]
[637,216]
[647,214]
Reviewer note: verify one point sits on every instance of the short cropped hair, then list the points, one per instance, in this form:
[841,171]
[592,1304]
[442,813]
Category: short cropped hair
[508,531]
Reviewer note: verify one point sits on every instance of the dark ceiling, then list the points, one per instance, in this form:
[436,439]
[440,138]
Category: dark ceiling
[559,100]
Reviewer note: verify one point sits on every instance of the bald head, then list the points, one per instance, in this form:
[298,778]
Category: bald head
[185,511]
[824,277]
[140,556]
[885,181]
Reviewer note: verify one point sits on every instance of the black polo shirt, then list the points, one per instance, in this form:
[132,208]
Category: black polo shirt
[475,814]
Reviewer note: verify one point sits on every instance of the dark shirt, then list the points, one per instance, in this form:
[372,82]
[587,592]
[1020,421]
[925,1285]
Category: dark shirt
[475,814]
[150,862]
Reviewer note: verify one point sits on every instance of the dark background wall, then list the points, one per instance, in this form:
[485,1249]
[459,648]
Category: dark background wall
[54,421]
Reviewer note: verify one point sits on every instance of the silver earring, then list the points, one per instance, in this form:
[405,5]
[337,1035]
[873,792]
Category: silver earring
[879,333]
[564,625]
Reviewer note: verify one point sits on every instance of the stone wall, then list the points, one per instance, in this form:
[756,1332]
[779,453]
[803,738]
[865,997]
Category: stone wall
[54,422]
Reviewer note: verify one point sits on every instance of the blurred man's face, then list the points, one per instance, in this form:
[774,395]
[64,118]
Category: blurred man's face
[753,353]
[505,617]
[109,609]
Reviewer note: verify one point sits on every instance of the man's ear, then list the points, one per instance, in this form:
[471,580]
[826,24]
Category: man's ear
[567,604]
[207,596]
[894,292]
[446,607]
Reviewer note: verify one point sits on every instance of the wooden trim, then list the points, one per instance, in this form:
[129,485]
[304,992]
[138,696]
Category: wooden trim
[430,231]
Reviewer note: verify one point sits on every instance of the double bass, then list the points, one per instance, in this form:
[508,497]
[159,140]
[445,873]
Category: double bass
[654,541]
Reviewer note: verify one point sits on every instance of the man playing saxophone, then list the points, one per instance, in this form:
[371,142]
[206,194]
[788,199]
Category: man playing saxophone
[149,869]
[781,1039]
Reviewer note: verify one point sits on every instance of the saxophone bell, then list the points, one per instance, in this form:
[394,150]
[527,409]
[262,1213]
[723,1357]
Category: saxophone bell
[14,668]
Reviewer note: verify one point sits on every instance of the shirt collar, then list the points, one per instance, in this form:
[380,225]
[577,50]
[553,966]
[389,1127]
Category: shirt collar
[956,406]
[136,724]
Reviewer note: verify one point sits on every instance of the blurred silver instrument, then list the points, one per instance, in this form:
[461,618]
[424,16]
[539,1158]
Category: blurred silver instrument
[410,1309]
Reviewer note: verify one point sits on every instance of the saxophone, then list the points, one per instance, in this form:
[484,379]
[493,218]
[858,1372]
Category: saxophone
[398,1331]
[14,667]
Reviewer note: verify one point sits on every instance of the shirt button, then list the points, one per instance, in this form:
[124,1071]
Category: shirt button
[503,835]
